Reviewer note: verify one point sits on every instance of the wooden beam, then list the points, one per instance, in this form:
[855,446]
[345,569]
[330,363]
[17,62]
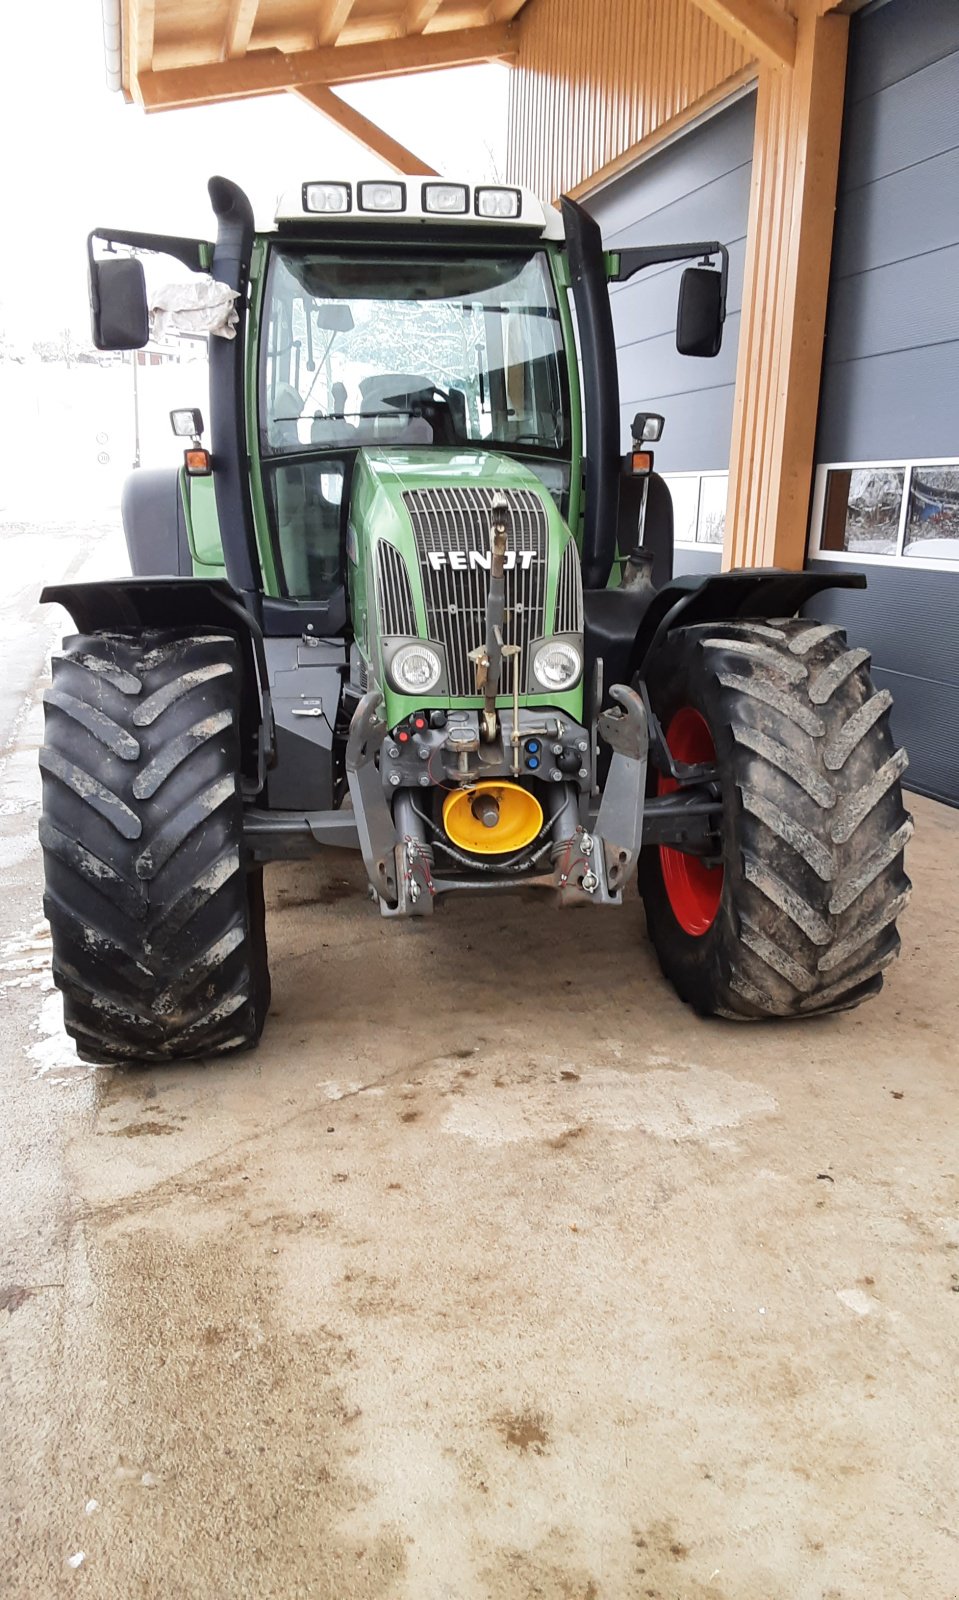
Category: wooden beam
[418,13]
[505,10]
[144,23]
[763,30]
[271,71]
[334,15]
[365,132]
[788,252]
[239,26]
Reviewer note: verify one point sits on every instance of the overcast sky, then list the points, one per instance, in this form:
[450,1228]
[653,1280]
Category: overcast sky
[76,156]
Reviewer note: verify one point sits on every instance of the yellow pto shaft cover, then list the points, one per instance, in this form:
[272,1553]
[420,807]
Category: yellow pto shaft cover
[492,818]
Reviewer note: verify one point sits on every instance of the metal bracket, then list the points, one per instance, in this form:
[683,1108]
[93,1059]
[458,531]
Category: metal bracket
[620,821]
[683,775]
[415,889]
[374,824]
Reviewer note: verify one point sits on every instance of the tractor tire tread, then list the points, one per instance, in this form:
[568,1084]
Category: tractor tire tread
[159,944]
[814,823]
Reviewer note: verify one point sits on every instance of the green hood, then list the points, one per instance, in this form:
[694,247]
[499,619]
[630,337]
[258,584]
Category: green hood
[423,578]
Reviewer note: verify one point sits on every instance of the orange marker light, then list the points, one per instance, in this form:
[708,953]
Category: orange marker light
[642,462]
[197,463]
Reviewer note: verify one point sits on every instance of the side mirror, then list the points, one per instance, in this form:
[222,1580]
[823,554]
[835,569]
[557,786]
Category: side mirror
[702,310]
[118,304]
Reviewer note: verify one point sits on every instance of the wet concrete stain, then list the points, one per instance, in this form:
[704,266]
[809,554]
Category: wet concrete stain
[567,1137]
[143,1130]
[525,1431]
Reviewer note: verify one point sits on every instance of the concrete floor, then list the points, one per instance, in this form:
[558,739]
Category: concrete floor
[494,1274]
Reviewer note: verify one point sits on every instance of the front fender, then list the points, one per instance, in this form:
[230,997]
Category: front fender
[130,605]
[730,596]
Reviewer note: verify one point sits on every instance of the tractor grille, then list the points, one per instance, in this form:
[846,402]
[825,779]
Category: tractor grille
[394,595]
[569,594]
[446,521]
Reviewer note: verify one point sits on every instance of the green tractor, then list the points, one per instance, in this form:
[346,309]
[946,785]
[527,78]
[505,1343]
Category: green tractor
[413,600]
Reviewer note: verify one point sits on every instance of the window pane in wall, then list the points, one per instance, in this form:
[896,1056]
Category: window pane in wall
[932,516]
[862,510]
[685,497]
[712,510]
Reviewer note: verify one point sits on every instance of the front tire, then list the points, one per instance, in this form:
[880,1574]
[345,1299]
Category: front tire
[798,917]
[159,942]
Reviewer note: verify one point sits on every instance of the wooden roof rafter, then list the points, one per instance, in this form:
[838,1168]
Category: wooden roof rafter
[332,19]
[178,53]
[273,71]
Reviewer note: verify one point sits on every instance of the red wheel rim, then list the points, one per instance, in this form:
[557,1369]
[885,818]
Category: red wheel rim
[693,889]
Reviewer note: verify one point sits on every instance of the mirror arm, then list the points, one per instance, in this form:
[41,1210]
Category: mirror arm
[636,257]
[196,254]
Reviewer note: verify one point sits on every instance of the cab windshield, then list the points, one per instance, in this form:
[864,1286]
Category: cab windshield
[414,349]
[419,348]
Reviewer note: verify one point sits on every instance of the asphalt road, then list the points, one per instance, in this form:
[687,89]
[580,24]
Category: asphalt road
[494,1274]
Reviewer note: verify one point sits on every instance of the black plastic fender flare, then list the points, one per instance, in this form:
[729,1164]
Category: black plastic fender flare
[129,605]
[757,592]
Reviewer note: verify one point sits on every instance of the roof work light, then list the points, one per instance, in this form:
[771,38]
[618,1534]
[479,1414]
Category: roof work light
[498,202]
[450,199]
[327,197]
[381,196]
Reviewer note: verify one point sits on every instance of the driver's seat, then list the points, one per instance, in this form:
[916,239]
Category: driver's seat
[391,424]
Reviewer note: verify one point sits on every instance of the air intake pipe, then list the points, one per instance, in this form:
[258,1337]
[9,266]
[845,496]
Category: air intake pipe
[587,265]
[231,265]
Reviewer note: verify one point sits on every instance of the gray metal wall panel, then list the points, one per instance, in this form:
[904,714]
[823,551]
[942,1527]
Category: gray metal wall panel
[653,367]
[925,718]
[904,124]
[891,407]
[701,442]
[891,46]
[906,617]
[695,215]
[869,235]
[722,144]
[902,306]
[697,188]
[891,374]
[907,621]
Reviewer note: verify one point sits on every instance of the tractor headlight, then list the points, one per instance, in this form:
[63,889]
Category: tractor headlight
[415,669]
[557,664]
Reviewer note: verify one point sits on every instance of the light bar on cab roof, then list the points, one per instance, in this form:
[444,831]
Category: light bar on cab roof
[407,199]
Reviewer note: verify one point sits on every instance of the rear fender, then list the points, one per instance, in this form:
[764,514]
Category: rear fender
[129,605]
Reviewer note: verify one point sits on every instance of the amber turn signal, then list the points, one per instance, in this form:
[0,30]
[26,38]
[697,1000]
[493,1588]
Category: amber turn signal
[197,463]
[641,463]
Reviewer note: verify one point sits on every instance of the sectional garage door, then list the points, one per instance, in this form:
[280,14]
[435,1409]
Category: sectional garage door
[887,489]
[697,188]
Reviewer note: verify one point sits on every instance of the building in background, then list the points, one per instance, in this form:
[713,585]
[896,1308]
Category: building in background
[662,121]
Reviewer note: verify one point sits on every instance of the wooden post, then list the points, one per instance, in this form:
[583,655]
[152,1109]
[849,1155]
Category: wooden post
[788,253]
